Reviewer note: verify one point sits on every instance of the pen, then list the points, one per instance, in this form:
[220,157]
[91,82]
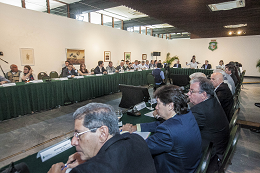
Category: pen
[65,166]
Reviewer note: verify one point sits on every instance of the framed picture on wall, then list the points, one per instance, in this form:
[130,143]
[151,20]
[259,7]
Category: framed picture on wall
[144,56]
[27,56]
[75,56]
[127,56]
[107,56]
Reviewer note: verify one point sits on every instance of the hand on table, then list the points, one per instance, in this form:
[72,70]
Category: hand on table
[1,83]
[56,168]
[128,127]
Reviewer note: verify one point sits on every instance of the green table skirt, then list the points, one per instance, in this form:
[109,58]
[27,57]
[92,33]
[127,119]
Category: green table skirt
[32,97]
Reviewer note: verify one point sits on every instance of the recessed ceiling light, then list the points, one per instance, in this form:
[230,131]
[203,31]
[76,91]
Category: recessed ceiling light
[235,26]
[227,5]
[239,32]
[230,33]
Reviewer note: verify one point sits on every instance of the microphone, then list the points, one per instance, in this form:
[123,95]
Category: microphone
[4,61]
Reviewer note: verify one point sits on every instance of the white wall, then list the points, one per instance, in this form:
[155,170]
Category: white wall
[49,35]
[244,49]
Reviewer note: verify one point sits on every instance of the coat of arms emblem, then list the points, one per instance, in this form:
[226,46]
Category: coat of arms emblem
[213,45]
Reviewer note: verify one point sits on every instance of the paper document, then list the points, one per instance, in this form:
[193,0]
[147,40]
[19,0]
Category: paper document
[149,114]
[144,135]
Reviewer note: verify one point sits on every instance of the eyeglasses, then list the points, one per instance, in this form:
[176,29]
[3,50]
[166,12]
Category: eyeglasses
[77,135]
[192,91]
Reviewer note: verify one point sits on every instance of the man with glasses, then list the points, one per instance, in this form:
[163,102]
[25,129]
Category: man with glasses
[210,117]
[100,147]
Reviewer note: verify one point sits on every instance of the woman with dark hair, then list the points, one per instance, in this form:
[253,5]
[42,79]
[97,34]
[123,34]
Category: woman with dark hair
[27,74]
[176,142]
[82,70]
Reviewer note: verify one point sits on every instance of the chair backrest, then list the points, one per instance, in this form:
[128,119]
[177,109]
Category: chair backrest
[150,80]
[205,159]
[41,74]
[54,74]
[233,121]
[233,138]
[180,80]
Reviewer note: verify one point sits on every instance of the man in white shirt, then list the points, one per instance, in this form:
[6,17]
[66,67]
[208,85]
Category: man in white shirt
[136,65]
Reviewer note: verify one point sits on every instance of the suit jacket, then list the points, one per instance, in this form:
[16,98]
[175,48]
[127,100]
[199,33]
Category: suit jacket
[119,67]
[97,70]
[66,72]
[208,67]
[234,78]
[213,125]
[175,65]
[175,144]
[126,153]
[225,98]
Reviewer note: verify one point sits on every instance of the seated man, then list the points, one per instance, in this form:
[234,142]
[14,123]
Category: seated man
[121,67]
[147,64]
[151,65]
[176,142]
[66,66]
[158,74]
[100,68]
[130,67]
[14,74]
[142,66]
[110,68]
[178,65]
[210,117]
[100,147]
[206,65]
[229,69]
[136,65]
[3,80]
[223,93]
[69,71]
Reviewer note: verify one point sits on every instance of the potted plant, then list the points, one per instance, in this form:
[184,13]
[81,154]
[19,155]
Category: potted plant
[169,59]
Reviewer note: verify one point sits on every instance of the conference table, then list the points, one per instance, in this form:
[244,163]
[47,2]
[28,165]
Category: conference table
[35,165]
[26,98]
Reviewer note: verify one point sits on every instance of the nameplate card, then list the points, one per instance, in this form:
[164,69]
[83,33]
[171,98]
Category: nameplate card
[132,71]
[99,74]
[174,67]
[54,150]
[110,73]
[9,84]
[140,106]
[64,78]
[36,81]
[78,77]
[55,78]
[140,70]
[121,71]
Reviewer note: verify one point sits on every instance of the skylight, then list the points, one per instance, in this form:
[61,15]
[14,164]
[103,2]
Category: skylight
[227,5]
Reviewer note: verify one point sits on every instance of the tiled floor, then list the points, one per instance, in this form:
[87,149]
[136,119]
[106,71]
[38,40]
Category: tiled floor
[19,134]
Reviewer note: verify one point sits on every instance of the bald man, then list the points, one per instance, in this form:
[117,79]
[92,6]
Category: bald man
[14,74]
[223,93]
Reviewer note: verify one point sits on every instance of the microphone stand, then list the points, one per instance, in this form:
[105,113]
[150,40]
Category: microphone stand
[1,67]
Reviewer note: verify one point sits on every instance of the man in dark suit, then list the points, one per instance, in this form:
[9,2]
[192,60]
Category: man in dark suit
[100,68]
[100,147]
[229,69]
[66,66]
[210,117]
[206,65]
[178,65]
[223,93]
[69,71]
[121,67]
[176,142]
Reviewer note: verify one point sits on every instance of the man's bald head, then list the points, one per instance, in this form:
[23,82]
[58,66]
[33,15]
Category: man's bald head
[216,79]
[14,68]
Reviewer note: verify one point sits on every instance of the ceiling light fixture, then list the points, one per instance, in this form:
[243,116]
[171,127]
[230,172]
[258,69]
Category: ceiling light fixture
[230,33]
[235,26]
[239,32]
[227,5]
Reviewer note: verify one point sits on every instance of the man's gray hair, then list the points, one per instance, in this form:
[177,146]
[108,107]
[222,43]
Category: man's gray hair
[205,85]
[96,115]
[197,74]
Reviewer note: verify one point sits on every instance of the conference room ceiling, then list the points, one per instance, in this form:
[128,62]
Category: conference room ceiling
[185,16]
[196,17]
